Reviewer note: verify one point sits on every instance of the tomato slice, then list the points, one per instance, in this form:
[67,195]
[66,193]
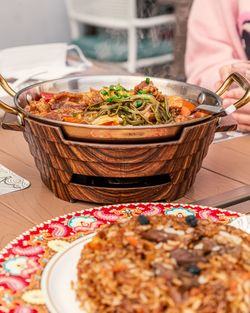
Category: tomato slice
[47,96]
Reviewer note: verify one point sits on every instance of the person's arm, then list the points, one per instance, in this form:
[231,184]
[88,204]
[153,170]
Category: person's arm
[212,41]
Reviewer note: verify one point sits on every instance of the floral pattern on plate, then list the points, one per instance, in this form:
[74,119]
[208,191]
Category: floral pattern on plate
[23,260]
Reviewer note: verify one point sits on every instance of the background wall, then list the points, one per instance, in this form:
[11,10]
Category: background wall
[24,22]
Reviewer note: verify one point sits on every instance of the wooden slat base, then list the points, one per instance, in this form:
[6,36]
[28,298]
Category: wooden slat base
[58,159]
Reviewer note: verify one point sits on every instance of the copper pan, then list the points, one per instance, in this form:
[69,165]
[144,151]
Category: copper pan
[124,134]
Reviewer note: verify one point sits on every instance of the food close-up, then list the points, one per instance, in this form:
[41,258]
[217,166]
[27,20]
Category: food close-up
[165,264]
[114,105]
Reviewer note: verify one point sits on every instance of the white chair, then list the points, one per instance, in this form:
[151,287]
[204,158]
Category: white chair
[117,14]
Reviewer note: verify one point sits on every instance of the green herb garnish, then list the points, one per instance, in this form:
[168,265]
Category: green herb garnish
[75,114]
[104,92]
[142,92]
[118,88]
[138,103]
[112,87]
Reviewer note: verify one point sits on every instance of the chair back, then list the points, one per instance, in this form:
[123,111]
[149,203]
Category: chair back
[118,15]
[103,9]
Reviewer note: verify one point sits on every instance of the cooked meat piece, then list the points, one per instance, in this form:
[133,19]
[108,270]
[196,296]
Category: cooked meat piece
[150,88]
[95,96]
[185,257]
[235,252]
[175,295]
[64,104]
[37,107]
[64,96]
[55,105]
[189,281]
[142,86]
[155,235]
[53,116]
[175,101]
[73,106]
[161,270]
[208,245]
[180,119]
[75,101]
[175,111]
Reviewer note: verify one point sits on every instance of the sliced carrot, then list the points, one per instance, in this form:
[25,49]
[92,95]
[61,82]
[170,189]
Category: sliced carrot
[73,119]
[140,310]
[233,285]
[194,291]
[185,111]
[119,267]
[245,276]
[200,114]
[132,240]
[188,105]
[95,244]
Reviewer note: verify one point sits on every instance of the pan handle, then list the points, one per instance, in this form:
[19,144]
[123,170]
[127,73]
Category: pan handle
[243,83]
[7,108]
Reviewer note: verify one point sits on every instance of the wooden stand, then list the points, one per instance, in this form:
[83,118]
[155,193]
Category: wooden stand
[115,173]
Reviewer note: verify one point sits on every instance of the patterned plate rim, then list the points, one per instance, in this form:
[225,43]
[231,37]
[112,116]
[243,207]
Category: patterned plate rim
[54,219]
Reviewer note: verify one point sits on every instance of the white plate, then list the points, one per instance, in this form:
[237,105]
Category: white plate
[242,223]
[58,276]
[61,271]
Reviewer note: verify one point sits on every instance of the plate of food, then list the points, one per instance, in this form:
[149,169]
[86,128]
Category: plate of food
[68,264]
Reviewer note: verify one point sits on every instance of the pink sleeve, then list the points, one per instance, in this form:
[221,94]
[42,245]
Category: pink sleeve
[213,40]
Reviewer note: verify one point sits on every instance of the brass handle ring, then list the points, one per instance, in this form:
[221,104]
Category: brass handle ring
[243,83]
[4,106]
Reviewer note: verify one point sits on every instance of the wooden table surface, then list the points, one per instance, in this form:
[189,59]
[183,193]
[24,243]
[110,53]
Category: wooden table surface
[223,181]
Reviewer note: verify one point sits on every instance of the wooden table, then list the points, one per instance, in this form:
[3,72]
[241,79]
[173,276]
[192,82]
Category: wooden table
[223,181]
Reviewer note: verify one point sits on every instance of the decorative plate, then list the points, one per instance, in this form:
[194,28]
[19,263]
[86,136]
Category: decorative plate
[55,286]
[23,261]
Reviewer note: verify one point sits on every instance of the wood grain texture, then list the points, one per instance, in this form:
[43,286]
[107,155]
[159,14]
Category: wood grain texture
[58,159]
[38,203]
[229,160]
[230,198]
[243,207]
[209,184]
[12,224]
[13,143]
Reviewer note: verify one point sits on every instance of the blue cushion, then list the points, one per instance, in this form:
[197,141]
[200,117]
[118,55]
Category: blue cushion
[115,48]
